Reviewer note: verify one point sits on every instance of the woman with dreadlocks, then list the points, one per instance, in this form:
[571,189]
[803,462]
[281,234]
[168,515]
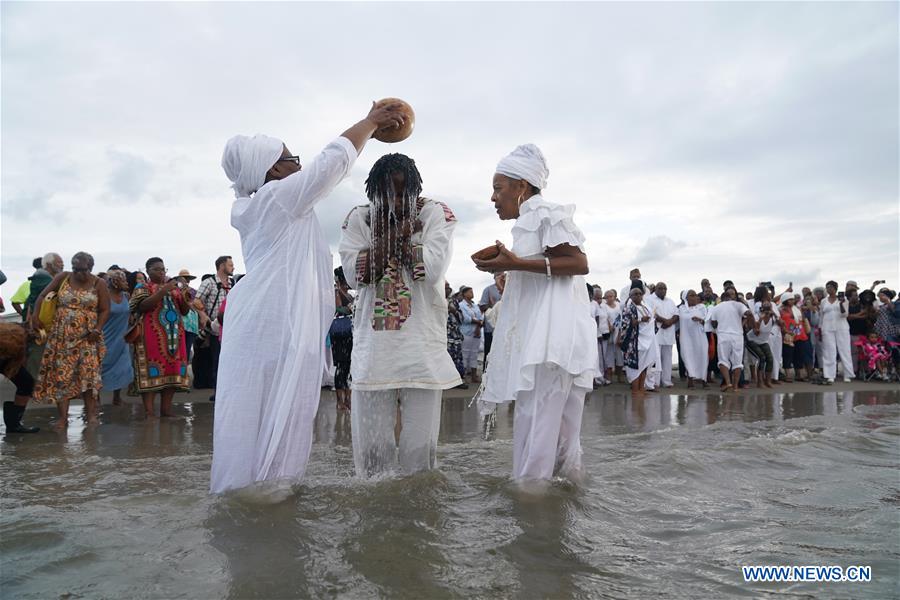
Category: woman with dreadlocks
[544,353]
[395,251]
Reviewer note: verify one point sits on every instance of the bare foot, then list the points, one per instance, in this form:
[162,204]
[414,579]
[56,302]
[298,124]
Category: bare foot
[61,425]
[150,417]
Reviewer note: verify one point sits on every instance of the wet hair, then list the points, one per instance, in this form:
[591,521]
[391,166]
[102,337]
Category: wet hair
[381,193]
[36,263]
[152,261]
[380,185]
[221,261]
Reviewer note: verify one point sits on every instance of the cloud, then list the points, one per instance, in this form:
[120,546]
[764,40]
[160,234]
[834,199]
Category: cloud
[657,247]
[129,178]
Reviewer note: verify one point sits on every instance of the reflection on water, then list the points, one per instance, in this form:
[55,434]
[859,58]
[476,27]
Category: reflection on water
[683,490]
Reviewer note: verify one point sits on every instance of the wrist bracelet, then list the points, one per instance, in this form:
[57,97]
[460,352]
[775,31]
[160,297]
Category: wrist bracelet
[547,262]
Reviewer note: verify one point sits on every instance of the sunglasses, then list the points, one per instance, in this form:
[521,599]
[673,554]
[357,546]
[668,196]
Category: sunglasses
[293,159]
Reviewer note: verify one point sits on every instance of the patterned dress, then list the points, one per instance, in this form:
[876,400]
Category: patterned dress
[160,355]
[454,335]
[71,364]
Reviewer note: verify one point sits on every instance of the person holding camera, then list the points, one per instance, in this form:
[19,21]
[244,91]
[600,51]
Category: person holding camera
[160,353]
[212,293]
[834,310]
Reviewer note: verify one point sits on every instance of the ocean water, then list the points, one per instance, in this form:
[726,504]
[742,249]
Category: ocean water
[681,492]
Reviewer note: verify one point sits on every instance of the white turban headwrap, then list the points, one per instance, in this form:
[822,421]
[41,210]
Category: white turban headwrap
[786,296]
[526,162]
[246,161]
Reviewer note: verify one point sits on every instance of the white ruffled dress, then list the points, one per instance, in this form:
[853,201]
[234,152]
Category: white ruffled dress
[544,321]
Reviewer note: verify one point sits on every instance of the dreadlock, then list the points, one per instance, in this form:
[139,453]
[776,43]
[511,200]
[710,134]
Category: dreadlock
[379,183]
[384,218]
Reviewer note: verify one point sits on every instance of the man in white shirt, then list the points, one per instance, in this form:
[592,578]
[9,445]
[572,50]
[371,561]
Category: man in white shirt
[728,320]
[666,317]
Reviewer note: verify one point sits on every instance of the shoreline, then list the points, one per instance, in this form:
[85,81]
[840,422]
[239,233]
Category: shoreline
[201,396]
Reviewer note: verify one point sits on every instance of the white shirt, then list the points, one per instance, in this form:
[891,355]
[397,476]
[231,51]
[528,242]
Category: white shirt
[729,317]
[415,355]
[665,309]
[544,321]
[831,318]
[765,330]
[600,312]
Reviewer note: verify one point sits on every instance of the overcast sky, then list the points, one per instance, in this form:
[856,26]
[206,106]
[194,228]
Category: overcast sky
[732,141]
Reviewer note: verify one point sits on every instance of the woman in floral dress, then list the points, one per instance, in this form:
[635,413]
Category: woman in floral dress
[71,366]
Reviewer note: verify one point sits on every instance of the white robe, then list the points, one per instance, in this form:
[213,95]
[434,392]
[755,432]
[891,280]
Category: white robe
[694,345]
[273,350]
[545,321]
[415,356]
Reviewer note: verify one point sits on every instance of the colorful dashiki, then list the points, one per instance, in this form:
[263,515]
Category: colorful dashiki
[160,355]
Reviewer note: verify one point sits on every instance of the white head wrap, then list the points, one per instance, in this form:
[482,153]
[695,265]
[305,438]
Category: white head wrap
[684,294]
[526,162]
[785,297]
[247,159]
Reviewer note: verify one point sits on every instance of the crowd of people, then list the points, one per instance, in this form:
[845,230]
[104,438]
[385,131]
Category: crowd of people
[396,332]
[141,331]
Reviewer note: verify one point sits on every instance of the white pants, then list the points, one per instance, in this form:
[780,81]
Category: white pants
[373,418]
[471,346]
[834,344]
[547,426]
[665,365]
[775,346]
[731,351]
[602,349]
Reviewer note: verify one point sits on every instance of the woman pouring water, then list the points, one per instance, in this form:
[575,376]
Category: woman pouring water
[544,353]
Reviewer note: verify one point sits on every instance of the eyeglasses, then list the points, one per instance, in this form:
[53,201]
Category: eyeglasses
[293,159]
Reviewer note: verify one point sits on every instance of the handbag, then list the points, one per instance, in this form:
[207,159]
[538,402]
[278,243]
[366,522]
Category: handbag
[49,306]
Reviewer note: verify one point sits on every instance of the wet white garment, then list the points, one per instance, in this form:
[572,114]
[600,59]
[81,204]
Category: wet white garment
[547,427]
[373,418]
[272,360]
[414,356]
[545,321]
[694,345]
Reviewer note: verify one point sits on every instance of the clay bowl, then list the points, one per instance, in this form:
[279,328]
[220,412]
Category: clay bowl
[392,135]
[487,253]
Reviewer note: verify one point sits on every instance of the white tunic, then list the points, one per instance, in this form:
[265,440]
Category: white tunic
[665,309]
[273,349]
[832,317]
[694,345]
[545,321]
[414,356]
